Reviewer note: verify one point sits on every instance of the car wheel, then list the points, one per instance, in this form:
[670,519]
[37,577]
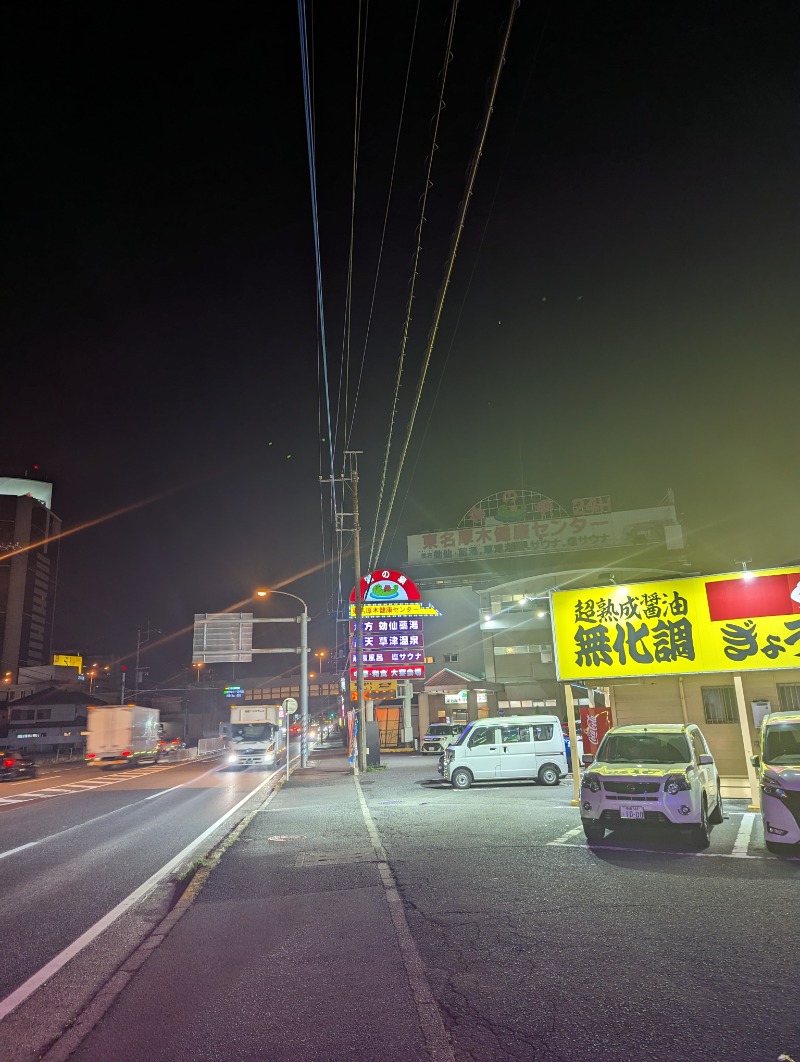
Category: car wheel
[701,834]
[549,775]
[776,847]
[594,834]
[424,752]
[461,779]
[717,815]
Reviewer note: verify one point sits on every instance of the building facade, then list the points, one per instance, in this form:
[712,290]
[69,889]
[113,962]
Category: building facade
[28,574]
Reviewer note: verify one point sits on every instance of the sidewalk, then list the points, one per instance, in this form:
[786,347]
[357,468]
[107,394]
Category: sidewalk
[289,951]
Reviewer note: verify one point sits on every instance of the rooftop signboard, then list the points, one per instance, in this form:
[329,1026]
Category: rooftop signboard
[745,621]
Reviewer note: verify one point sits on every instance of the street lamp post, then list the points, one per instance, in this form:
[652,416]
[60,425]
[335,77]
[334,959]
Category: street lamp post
[302,619]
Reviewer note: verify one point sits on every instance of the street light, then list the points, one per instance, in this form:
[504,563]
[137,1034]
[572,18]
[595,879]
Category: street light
[198,667]
[303,621]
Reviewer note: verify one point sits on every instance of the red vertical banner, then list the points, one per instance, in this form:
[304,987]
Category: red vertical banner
[352,735]
[595,722]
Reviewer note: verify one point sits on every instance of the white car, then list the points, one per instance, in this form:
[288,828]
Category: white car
[439,735]
[659,775]
[779,767]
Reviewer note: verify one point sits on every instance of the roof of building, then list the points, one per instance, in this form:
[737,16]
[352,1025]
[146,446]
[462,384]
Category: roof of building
[55,695]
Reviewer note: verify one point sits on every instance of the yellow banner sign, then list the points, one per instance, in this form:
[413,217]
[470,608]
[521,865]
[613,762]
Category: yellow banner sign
[400,608]
[62,660]
[375,689]
[746,621]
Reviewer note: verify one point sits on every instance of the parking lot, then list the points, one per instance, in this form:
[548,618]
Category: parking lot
[540,946]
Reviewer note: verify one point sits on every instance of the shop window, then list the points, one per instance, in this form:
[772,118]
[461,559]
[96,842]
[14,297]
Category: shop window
[719,704]
[788,697]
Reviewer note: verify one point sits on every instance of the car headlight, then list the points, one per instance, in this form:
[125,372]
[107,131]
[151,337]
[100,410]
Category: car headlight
[449,755]
[676,783]
[591,782]
[771,789]
[233,758]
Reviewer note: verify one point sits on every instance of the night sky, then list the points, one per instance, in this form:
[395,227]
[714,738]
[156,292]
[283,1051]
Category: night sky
[623,316]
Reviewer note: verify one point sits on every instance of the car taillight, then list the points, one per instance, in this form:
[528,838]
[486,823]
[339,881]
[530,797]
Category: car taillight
[8,763]
[126,753]
[90,755]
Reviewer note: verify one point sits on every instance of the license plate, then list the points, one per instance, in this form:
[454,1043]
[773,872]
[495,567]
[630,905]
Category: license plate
[632,812]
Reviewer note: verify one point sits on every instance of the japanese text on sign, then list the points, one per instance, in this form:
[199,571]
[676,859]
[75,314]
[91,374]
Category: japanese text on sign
[720,623]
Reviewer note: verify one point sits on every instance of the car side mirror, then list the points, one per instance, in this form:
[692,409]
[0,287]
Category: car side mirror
[756,761]
[587,759]
[705,760]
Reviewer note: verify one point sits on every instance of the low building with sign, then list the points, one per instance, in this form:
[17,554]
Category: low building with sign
[718,650]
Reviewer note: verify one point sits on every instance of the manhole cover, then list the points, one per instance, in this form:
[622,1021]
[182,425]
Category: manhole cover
[287,837]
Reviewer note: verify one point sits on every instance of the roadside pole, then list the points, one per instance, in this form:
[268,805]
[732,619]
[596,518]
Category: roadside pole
[573,743]
[362,715]
[747,743]
[303,620]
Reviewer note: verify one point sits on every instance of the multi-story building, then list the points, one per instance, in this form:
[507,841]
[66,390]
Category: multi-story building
[28,573]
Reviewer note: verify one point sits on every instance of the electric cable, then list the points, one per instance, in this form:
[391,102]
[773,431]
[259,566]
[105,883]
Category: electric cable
[473,172]
[407,323]
[385,225]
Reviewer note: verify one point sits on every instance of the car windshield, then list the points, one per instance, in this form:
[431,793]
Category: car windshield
[782,744]
[464,735]
[253,731]
[645,747]
[440,730]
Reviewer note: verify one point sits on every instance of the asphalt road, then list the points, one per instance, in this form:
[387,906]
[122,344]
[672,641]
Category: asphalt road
[536,946]
[75,842]
[539,947]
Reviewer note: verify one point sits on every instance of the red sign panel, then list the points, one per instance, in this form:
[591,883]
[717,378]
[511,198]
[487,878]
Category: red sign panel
[750,597]
[595,722]
[415,671]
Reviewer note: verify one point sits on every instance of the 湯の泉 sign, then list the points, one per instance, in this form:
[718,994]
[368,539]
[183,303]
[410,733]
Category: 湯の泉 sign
[737,622]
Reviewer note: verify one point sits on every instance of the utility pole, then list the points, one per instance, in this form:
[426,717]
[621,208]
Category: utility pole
[140,641]
[361,714]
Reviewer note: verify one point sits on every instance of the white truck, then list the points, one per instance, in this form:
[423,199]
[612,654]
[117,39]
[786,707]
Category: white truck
[253,736]
[122,735]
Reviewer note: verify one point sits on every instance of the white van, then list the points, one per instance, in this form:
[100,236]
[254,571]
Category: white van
[505,748]
[778,763]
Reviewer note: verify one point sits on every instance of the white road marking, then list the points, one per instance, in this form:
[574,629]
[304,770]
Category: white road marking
[106,814]
[70,788]
[22,847]
[25,990]
[566,836]
[742,842]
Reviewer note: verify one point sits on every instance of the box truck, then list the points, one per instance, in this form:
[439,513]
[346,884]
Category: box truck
[253,736]
[122,735]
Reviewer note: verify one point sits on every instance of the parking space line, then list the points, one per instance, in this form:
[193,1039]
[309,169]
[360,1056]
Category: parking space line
[742,842]
[566,836]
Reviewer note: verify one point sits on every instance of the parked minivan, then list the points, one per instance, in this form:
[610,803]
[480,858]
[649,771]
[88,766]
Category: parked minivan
[439,735]
[507,748]
[778,763]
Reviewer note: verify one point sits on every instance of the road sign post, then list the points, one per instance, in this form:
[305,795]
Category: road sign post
[289,708]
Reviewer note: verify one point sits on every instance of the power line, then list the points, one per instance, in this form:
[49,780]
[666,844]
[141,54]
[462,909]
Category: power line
[407,323]
[312,169]
[385,225]
[473,172]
